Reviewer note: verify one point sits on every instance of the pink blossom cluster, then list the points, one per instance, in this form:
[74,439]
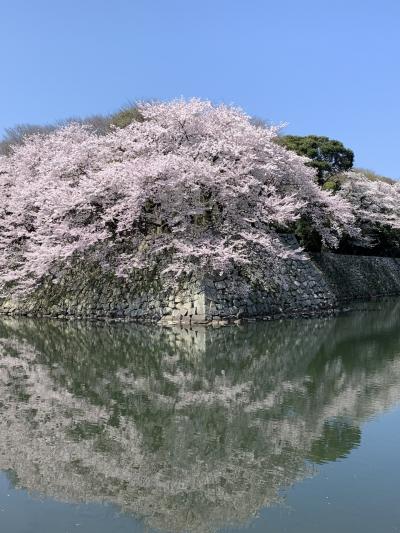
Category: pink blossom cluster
[373,202]
[198,182]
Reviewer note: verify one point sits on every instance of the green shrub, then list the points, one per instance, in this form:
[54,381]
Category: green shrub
[126,116]
[373,176]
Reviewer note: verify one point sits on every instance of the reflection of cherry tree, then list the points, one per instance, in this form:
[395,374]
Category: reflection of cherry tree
[188,439]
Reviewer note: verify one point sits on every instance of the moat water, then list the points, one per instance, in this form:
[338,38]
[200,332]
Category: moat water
[290,426]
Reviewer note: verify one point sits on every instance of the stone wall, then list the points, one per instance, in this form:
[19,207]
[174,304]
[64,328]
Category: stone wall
[297,289]
[354,277]
[312,285]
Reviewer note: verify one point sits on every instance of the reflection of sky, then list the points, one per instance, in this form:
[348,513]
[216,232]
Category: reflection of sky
[357,495]
[22,513]
[360,494]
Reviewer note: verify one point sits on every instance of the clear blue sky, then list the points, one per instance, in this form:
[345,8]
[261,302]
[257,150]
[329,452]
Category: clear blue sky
[326,67]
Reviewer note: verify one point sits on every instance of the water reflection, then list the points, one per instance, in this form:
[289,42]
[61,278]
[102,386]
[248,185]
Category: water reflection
[189,430]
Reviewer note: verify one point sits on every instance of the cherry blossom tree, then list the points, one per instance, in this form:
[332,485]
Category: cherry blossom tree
[376,207]
[373,202]
[194,182]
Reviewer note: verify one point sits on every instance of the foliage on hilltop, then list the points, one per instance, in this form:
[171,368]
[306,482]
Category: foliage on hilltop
[374,198]
[100,124]
[327,156]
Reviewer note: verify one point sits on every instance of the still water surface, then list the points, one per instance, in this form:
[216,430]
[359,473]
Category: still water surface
[289,426]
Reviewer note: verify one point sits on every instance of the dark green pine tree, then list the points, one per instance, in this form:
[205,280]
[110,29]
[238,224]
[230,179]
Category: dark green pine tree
[328,156]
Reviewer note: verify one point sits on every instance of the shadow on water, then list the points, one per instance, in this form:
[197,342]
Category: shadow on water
[189,430]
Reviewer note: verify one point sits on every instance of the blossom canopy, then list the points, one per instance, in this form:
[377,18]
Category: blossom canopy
[198,182]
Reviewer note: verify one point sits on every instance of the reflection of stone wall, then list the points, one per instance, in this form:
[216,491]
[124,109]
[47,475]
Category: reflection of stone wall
[188,430]
[297,287]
